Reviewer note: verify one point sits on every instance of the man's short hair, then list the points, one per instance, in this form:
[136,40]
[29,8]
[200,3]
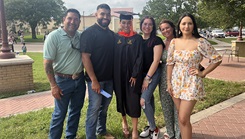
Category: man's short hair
[72,11]
[104,6]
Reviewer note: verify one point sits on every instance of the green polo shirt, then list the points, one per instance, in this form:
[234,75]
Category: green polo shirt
[58,47]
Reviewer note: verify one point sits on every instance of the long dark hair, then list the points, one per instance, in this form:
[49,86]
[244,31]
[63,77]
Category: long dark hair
[195,31]
[154,29]
[170,23]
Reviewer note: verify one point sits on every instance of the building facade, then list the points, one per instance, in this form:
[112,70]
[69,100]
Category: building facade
[87,21]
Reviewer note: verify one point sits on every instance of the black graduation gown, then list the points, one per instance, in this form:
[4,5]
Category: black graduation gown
[128,62]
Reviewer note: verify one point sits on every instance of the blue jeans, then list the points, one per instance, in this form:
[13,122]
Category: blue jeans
[97,110]
[148,96]
[73,96]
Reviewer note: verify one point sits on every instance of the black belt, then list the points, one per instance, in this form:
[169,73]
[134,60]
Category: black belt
[64,75]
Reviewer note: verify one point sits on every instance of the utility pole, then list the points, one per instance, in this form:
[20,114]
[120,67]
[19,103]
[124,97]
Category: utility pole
[5,50]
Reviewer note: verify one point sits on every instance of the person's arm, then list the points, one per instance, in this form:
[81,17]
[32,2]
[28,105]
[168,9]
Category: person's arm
[138,65]
[157,53]
[208,51]
[55,90]
[170,65]
[90,71]
[202,74]
[169,78]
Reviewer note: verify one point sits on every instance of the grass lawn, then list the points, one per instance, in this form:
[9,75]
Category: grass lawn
[212,42]
[28,38]
[228,40]
[35,125]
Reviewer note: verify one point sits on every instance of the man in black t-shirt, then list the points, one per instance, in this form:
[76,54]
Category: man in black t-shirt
[97,44]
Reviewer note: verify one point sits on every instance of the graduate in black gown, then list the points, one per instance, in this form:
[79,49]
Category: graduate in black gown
[128,61]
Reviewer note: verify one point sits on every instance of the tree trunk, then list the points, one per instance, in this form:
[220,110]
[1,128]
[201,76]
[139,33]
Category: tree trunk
[33,32]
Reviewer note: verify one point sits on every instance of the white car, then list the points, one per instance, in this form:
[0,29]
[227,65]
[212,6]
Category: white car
[243,31]
[218,34]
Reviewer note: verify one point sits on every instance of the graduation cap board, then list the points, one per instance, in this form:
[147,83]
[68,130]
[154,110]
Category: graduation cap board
[125,15]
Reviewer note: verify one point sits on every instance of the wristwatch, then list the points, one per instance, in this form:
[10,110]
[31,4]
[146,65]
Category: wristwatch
[148,79]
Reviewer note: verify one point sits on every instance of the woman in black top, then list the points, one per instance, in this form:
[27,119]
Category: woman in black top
[152,52]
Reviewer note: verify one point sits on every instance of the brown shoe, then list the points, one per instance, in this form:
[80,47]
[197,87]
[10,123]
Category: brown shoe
[108,136]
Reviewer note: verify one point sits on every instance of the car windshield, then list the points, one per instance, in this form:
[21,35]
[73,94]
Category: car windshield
[219,31]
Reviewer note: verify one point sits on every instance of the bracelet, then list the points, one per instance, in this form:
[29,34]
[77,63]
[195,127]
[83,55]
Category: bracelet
[148,80]
[148,76]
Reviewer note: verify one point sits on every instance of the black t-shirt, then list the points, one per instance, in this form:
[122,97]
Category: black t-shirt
[100,44]
[148,46]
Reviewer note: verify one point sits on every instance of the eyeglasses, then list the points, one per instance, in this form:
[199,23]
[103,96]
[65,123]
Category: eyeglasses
[73,47]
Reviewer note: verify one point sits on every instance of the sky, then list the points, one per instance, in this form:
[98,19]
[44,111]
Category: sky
[89,6]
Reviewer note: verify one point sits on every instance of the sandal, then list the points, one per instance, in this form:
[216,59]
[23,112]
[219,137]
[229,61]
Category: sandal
[126,132]
[165,136]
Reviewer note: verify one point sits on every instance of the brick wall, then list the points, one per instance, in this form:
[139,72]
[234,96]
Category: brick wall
[16,75]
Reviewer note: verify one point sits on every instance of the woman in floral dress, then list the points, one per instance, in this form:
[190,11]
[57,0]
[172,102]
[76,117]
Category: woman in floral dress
[184,79]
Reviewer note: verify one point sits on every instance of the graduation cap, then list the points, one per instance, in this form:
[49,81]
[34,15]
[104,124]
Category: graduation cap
[125,15]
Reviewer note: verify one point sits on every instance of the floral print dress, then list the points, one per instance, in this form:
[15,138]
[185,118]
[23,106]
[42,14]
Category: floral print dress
[169,110]
[185,86]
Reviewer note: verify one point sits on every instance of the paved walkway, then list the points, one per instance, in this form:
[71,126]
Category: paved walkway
[222,121]
[31,47]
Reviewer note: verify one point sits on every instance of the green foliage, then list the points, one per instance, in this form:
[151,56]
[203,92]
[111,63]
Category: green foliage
[222,13]
[209,13]
[34,12]
[169,9]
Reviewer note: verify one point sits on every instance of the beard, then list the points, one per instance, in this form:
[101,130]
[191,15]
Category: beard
[103,24]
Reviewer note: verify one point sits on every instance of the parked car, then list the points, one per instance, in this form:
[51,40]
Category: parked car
[232,33]
[218,34]
[243,31]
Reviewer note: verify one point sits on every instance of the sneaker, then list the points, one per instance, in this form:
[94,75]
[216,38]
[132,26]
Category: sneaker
[155,133]
[146,132]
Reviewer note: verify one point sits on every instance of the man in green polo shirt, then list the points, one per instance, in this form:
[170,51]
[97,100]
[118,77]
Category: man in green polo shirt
[63,66]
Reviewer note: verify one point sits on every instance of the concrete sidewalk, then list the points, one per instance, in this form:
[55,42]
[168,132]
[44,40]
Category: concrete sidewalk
[225,120]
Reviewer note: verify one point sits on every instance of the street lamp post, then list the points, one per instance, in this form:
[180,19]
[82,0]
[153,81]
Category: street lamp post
[83,22]
[5,50]
[239,38]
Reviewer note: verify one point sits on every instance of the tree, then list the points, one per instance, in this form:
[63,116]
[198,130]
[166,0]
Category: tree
[34,12]
[222,13]
[169,9]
